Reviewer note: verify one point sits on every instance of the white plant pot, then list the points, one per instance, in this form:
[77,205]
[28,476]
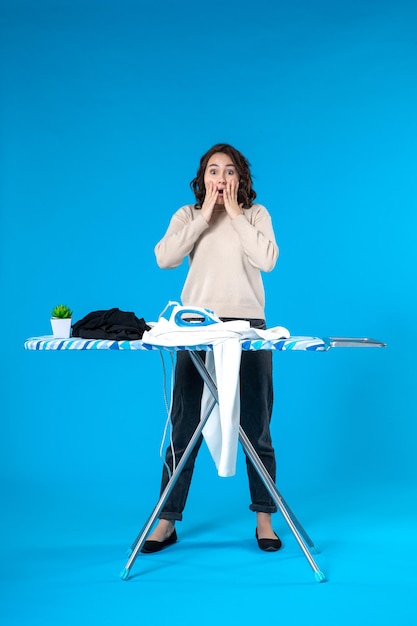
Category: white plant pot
[61,328]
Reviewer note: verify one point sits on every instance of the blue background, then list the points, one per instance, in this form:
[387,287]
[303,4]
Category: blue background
[106,108]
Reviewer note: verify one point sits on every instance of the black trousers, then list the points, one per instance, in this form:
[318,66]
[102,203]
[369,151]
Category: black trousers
[256,400]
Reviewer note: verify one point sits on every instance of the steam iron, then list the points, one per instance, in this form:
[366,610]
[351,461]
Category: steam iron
[188,316]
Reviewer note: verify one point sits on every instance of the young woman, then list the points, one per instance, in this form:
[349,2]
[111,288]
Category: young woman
[229,241]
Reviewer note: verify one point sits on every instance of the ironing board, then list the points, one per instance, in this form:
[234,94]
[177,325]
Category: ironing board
[303,343]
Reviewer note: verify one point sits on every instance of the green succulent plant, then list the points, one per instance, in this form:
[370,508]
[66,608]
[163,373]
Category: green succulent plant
[61,311]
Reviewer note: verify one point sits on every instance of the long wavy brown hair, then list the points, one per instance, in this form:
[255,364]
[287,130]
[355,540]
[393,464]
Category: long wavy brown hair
[245,195]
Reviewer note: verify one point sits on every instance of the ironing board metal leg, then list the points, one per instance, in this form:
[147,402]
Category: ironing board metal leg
[140,539]
[298,531]
[272,488]
[301,536]
[298,525]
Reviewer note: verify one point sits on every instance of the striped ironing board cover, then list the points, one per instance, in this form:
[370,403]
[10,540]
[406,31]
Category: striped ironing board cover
[77,343]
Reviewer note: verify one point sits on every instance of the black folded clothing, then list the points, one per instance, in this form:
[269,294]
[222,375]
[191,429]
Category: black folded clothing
[110,324]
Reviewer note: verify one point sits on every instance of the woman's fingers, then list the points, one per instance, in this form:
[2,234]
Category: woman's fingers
[230,199]
[209,201]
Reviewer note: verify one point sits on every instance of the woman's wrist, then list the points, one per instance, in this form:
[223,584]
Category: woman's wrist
[206,213]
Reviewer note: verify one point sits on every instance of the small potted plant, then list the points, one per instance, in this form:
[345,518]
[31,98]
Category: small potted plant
[61,319]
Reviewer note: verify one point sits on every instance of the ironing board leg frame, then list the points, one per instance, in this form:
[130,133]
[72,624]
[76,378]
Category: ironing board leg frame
[291,520]
[140,539]
[295,526]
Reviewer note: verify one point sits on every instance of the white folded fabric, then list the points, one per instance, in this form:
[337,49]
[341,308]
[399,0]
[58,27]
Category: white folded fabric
[221,432]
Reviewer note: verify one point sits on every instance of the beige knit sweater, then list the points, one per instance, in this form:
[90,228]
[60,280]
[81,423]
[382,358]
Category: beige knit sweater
[226,258]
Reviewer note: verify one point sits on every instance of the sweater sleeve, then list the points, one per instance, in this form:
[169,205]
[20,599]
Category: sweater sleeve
[258,239]
[180,238]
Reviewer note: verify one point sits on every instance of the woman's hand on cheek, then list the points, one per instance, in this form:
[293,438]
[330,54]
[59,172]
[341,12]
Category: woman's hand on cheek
[209,201]
[230,199]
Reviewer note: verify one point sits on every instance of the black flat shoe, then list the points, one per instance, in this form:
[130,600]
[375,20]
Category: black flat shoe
[151,545]
[268,545]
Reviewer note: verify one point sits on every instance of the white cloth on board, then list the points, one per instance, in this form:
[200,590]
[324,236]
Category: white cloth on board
[221,432]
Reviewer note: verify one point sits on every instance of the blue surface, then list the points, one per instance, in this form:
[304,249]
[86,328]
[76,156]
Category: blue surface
[106,108]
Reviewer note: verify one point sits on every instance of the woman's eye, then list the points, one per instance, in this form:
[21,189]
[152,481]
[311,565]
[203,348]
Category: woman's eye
[231,172]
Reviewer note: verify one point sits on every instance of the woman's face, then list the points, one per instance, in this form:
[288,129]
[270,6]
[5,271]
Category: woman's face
[219,172]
